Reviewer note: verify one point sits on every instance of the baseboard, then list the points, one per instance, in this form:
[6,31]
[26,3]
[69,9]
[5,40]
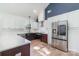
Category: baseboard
[70,50]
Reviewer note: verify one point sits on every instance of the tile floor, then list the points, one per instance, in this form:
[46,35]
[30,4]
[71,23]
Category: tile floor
[39,48]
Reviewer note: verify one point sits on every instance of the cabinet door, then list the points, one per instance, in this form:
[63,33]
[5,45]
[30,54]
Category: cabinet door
[11,52]
[44,38]
[59,44]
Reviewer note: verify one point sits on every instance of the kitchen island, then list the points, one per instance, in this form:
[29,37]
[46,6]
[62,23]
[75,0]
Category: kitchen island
[11,44]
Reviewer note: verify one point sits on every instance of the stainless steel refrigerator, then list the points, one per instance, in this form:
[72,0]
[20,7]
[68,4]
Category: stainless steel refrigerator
[60,35]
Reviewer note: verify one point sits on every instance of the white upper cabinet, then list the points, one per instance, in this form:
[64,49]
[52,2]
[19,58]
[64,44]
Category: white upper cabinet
[41,16]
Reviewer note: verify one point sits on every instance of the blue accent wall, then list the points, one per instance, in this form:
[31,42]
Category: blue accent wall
[60,8]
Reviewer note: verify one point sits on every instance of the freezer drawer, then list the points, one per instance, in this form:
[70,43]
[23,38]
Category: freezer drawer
[60,44]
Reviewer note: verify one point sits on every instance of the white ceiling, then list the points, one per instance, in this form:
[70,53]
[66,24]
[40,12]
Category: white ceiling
[22,9]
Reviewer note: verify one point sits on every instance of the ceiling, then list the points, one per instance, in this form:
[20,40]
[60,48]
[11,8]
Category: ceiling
[23,9]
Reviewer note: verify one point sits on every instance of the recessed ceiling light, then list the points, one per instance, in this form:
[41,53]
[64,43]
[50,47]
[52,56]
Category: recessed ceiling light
[49,11]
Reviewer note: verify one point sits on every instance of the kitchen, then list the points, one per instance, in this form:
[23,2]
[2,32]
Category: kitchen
[39,30]
[14,24]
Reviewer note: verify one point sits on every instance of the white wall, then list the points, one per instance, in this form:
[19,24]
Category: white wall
[73,31]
